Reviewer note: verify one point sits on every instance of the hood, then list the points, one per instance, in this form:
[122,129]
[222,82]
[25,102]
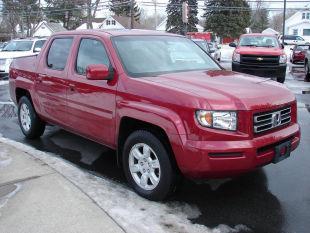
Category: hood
[227,90]
[14,54]
[247,50]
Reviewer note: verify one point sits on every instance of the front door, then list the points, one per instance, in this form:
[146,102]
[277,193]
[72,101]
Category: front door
[91,103]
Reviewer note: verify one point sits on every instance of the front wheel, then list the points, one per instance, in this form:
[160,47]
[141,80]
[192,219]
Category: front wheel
[30,123]
[148,167]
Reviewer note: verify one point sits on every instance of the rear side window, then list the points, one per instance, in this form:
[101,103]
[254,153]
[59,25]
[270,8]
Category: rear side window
[91,52]
[58,53]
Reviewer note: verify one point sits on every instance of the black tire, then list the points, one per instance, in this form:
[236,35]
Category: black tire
[307,71]
[281,79]
[168,174]
[37,126]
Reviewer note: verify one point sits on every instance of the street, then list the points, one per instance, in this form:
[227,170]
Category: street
[271,199]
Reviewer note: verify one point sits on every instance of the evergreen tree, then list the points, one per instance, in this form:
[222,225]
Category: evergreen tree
[122,8]
[227,18]
[69,12]
[174,16]
[260,20]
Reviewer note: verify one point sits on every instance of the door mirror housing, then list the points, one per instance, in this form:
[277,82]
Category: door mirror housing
[282,46]
[232,44]
[98,72]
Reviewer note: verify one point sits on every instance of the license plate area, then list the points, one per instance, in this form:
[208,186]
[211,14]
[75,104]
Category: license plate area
[282,151]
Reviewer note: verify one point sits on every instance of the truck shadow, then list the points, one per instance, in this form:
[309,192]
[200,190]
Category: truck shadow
[245,200]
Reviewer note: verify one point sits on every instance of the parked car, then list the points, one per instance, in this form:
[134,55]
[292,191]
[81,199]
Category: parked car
[211,48]
[298,53]
[260,55]
[215,51]
[292,40]
[307,65]
[18,48]
[2,45]
[166,114]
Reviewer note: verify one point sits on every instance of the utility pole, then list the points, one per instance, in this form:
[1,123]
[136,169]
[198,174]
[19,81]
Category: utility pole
[284,12]
[155,8]
[131,15]
[89,15]
[185,16]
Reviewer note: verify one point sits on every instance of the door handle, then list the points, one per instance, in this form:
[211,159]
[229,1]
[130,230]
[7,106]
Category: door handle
[72,87]
[40,77]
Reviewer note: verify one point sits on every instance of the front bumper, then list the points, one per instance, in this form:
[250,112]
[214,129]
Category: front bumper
[260,70]
[219,159]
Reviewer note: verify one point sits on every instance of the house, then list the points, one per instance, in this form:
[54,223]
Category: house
[270,31]
[299,23]
[45,28]
[111,22]
[162,26]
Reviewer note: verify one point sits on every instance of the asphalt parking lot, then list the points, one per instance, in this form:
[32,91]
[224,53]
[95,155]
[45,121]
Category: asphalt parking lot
[271,199]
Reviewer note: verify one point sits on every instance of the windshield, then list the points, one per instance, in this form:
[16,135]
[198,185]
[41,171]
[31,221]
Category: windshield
[18,46]
[155,55]
[259,41]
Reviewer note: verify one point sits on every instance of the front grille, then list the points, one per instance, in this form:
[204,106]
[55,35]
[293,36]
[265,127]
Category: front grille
[271,120]
[259,60]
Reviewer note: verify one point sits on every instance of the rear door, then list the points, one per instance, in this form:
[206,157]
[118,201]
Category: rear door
[91,103]
[51,84]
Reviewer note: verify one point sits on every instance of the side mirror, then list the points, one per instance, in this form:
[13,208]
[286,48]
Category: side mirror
[37,50]
[219,47]
[290,48]
[282,46]
[232,44]
[97,72]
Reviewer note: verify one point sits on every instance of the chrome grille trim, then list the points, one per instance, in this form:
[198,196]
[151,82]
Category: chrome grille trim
[271,120]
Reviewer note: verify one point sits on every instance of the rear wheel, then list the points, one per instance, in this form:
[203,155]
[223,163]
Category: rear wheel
[30,123]
[307,71]
[147,166]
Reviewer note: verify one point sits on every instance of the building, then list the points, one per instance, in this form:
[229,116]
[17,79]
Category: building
[45,29]
[270,31]
[111,22]
[299,24]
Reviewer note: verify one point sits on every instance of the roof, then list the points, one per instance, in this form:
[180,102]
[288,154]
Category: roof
[125,22]
[114,32]
[54,27]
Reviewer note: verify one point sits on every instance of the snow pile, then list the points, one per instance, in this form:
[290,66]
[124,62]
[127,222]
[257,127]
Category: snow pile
[226,52]
[5,159]
[133,213]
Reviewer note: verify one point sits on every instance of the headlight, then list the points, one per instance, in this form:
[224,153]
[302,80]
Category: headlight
[217,119]
[283,59]
[236,57]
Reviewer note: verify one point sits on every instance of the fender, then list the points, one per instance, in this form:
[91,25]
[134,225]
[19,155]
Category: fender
[162,117]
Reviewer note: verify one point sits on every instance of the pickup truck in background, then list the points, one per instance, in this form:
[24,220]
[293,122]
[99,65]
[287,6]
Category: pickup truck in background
[160,101]
[260,55]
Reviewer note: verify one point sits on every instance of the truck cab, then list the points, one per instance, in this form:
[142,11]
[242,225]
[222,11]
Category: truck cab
[260,55]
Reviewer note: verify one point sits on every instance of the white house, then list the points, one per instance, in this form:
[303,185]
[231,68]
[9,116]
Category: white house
[270,31]
[45,29]
[112,22]
[299,24]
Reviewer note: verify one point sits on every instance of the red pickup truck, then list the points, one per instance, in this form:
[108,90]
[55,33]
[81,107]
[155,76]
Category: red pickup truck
[260,55]
[160,101]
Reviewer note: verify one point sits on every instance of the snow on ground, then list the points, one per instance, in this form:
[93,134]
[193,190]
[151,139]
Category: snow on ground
[133,213]
[4,82]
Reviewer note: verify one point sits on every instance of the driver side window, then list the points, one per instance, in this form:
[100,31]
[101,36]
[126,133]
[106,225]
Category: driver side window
[91,52]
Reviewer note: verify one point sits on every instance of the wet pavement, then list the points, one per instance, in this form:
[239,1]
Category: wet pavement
[275,198]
